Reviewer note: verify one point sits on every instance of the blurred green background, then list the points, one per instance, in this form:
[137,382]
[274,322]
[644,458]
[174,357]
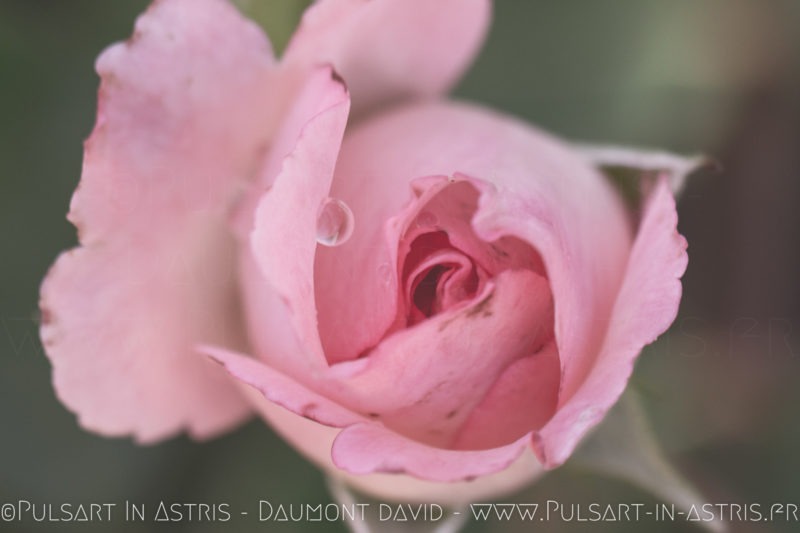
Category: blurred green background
[715,76]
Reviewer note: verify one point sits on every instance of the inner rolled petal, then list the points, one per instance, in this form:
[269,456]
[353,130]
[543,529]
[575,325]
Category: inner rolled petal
[443,264]
[438,281]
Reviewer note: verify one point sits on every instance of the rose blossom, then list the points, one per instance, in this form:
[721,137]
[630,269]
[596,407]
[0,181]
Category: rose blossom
[426,295]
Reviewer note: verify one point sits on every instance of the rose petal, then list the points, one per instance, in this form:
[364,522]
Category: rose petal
[523,398]
[646,306]
[538,191]
[391,49]
[362,447]
[315,441]
[270,325]
[424,381]
[369,448]
[451,208]
[357,283]
[282,390]
[183,112]
[283,242]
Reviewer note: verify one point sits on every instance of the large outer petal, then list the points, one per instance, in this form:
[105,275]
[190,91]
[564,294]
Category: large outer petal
[363,446]
[390,49]
[647,305]
[315,441]
[184,111]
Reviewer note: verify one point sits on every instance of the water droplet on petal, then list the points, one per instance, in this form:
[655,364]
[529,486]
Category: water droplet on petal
[335,222]
[426,219]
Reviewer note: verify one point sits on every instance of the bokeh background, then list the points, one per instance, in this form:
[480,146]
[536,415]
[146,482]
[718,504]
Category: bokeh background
[720,77]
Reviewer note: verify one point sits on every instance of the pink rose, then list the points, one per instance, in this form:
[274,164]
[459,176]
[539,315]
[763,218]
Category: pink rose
[433,290]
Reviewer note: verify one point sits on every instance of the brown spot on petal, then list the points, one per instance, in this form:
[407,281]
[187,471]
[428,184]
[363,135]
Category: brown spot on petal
[365,352]
[307,411]
[79,229]
[499,251]
[391,470]
[538,445]
[451,414]
[444,324]
[481,307]
[136,36]
[373,415]
[220,363]
[431,393]
[338,79]
[45,315]
[108,78]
